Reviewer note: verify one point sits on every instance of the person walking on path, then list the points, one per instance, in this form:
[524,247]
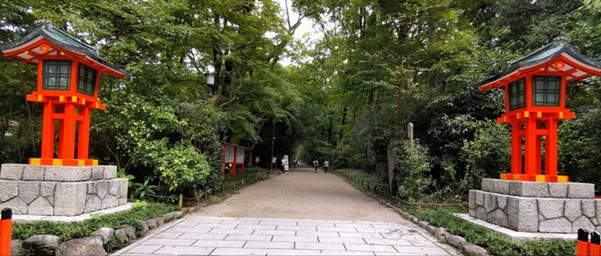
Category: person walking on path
[315,165]
[326,165]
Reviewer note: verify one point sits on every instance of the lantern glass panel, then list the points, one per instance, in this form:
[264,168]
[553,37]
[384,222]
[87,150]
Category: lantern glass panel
[56,75]
[546,90]
[86,82]
[517,93]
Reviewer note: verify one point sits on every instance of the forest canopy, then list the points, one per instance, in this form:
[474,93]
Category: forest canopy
[347,95]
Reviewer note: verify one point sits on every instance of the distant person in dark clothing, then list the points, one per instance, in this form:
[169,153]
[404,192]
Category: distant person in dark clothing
[315,165]
[326,165]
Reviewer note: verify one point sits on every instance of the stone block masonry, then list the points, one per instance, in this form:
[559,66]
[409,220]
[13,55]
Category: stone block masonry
[60,191]
[536,206]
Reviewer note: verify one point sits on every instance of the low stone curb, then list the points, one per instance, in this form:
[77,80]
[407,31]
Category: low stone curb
[92,245]
[441,233]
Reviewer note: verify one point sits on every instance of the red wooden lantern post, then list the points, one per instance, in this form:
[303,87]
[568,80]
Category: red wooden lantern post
[535,91]
[68,80]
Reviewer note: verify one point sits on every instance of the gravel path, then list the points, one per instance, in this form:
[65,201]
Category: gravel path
[303,194]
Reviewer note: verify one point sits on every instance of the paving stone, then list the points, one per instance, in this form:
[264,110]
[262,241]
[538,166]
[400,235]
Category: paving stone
[239,222]
[572,210]
[253,227]
[551,208]
[11,171]
[238,251]
[269,245]
[172,242]
[377,241]
[338,229]
[305,228]
[33,172]
[346,253]
[29,190]
[10,190]
[421,242]
[184,250]
[244,238]
[558,190]
[231,231]
[411,250]
[294,252]
[201,236]
[144,249]
[558,225]
[315,224]
[367,235]
[278,223]
[208,226]
[369,248]
[219,243]
[318,233]
[320,246]
[341,240]
[274,232]
[308,239]
[581,190]
[172,235]
[40,206]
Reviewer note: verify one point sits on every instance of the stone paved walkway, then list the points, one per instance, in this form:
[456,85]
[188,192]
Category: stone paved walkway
[255,236]
[297,213]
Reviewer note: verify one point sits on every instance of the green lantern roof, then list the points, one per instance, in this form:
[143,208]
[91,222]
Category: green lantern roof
[542,56]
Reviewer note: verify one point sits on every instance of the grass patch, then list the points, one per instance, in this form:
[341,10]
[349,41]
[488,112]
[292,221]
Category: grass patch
[442,216]
[67,231]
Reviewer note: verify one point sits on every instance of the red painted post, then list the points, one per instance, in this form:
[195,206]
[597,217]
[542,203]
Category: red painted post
[6,224]
[595,248]
[582,244]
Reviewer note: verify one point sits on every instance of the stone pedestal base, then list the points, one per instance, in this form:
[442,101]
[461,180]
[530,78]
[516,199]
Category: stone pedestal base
[60,190]
[537,206]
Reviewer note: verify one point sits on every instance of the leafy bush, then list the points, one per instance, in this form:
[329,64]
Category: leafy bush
[182,168]
[413,165]
[86,228]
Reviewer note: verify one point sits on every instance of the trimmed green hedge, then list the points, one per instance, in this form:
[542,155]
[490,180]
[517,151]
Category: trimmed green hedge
[67,231]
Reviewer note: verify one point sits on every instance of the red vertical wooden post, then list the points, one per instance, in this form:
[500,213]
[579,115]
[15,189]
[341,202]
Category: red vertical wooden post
[67,144]
[582,244]
[551,148]
[83,142]
[530,151]
[539,152]
[6,224]
[48,130]
[233,170]
[516,147]
[595,248]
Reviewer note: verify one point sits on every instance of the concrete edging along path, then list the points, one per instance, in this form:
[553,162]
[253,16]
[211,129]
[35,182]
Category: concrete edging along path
[299,212]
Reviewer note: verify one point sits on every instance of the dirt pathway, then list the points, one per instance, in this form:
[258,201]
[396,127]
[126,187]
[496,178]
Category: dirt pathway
[302,194]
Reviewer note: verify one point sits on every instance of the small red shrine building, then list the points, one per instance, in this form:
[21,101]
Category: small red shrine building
[68,80]
[535,92]
[233,155]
